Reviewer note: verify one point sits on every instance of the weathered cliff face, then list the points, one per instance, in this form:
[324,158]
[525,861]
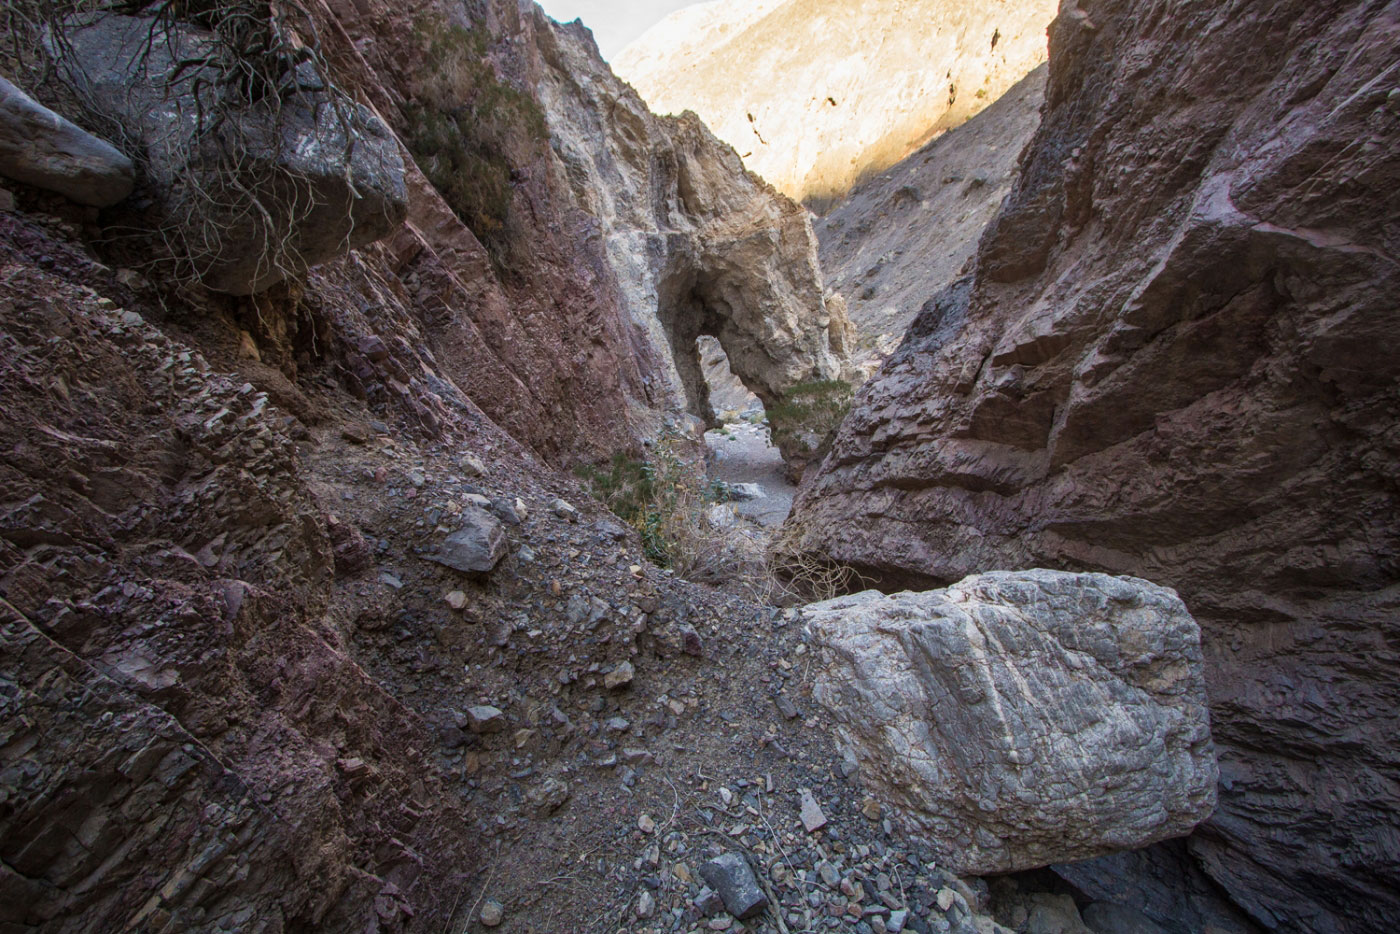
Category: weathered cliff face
[180,712]
[234,684]
[905,234]
[816,95]
[1177,358]
[699,247]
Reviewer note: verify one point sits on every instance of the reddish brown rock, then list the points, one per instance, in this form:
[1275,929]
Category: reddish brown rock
[1177,358]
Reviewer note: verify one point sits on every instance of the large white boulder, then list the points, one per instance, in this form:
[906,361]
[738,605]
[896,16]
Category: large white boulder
[1022,719]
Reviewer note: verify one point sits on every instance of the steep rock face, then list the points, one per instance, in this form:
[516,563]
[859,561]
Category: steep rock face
[546,349]
[899,238]
[1177,358]
[178,712]
[815,95]
[1022,719]
[699,247]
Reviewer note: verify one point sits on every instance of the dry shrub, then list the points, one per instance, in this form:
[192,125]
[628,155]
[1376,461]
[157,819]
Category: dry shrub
[799,576]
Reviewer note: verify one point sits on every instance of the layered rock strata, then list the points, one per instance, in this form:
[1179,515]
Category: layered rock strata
[816,95]
[1177,358]
[1023,719]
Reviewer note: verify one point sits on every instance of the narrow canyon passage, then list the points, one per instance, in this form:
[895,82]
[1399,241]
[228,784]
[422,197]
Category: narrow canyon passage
[366,566]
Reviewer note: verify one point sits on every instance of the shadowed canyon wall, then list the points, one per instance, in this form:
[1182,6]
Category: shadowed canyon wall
[1176,357]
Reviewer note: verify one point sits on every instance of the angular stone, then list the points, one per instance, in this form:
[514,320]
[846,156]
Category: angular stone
[811,813]
[475,548]
[730,876]
[486,719]
[1022,719]
[1132,410]
[41,148]
[621,676]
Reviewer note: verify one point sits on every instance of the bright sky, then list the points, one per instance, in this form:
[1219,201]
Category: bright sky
[614,22]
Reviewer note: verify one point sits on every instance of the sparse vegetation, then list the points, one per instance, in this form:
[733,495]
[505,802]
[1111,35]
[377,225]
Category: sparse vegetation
[470,131]
[668,499]
[795,576]
[810,413]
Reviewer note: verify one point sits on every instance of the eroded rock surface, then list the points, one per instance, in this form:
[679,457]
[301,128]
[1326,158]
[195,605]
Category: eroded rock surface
[699,246]
[1177,359]
[38,147]
[815,95]
[1022,719]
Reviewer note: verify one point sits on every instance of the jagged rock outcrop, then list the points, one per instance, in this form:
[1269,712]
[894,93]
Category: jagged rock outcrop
[1177,358]
[184,742]
[38,147]
[249,192]
[1023,719]
[816,95]
[699,247]
[904,235]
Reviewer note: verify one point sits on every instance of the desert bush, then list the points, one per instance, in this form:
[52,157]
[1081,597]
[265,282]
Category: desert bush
[469,131]
[809,414]
[668,499]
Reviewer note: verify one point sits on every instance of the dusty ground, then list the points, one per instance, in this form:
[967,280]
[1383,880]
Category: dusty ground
[744,453]
[695,747]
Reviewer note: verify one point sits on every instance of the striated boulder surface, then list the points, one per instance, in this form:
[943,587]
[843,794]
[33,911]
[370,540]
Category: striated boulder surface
[1022,719]
[1178,358]
[816,95]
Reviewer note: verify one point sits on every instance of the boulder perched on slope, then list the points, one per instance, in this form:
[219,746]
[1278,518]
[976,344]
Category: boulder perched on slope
[250,192]
[1023,719]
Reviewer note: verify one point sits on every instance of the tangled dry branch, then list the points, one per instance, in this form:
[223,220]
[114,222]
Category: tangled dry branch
[232,79]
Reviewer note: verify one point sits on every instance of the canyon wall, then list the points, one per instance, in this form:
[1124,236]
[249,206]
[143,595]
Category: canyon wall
[1176,357]
[816,95]
[233,692]
[698,246]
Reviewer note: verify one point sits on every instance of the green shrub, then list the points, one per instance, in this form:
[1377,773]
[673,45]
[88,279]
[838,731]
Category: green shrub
[667,499]
[663,498]
[469,131]
[810,413]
